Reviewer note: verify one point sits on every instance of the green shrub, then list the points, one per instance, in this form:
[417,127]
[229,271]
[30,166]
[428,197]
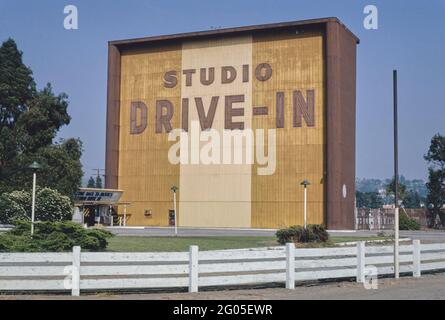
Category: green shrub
[297,234]
[50,206]
[52,237]
[407,223]
[11,210]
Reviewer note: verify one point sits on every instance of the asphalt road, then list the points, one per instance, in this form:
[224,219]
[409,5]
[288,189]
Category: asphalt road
[438,236]
[429,236]
[428,287]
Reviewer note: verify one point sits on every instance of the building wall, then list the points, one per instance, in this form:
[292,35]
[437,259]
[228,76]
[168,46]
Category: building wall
[236,195]
[217,195]
[340,131]
[145,174]
[298,64]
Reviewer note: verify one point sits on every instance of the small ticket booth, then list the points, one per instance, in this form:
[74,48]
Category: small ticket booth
[95,207]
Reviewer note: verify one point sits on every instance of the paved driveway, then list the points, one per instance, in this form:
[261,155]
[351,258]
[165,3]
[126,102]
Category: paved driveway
[192,232]
[438,236]
[429,287]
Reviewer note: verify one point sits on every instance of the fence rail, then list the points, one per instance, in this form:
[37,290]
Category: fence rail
[78,270]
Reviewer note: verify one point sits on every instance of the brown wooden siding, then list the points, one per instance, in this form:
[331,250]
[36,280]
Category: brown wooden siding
[298,64]
[341,83]
[145,173]
[113,104]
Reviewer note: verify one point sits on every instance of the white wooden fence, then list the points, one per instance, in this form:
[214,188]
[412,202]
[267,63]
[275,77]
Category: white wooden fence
[104,271]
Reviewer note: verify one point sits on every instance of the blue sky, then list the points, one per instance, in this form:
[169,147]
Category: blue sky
[411,38]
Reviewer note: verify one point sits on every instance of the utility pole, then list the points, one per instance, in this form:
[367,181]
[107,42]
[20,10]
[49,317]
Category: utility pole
[396,182]
[97,172]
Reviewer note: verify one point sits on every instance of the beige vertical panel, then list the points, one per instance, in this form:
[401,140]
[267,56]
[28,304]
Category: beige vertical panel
[216,195]
[297,62]
[145,173]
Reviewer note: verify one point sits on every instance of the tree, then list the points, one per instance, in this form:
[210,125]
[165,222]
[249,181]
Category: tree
[91,183]
[50,206]
[436,178]
[369,185]
[29,122]
[401,190]
[413,200]
[17,86]
[371,200]
[408,198]
[61,169]
[99,182]
[436,195]
[436,152]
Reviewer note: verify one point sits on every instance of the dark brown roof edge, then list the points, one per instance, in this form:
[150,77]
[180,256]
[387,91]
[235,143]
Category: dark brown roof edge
[232,31]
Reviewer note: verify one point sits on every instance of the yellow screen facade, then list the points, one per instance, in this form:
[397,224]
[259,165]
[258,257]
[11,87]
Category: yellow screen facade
[224,195]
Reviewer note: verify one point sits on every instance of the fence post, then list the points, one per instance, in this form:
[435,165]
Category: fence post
[75,278]
[416,258]
[290,266]
[193,269]
[361,261]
